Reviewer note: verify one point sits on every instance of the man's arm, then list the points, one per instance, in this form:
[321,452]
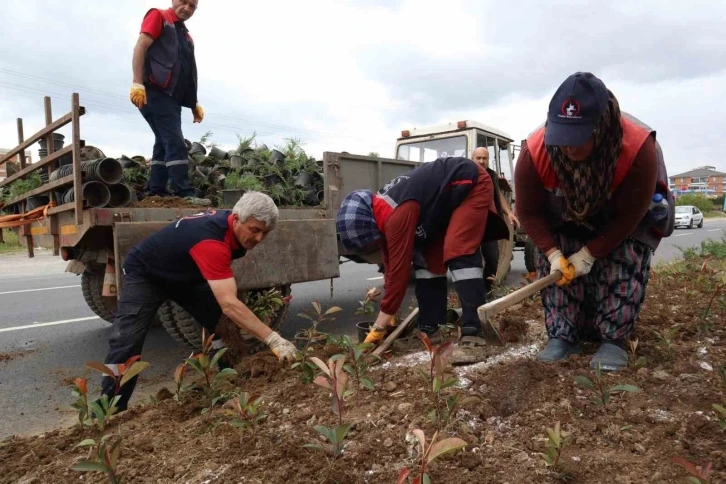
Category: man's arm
[508,210]
[225,291]
[137,64]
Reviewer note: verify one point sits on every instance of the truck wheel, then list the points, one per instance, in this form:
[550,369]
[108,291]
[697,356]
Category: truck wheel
[505,256]
[92,288]
[530,256]
[185,329]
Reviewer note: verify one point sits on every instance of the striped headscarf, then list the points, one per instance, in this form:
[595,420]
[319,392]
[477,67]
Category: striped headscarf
[355,223]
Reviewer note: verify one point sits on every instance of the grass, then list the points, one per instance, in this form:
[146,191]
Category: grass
[714,214]
[11,243]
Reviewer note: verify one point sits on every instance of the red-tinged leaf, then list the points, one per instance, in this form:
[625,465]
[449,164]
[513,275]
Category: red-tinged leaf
[115,453]
[341,383]
[426,341]
[333,310]
[403,475]
[317,307]
[419,434]
[98,366]
[706,470]
[82,385]
[135,369]
[339,363]
[323,382]
[445,350]
[445,446]
[417,480]
[131,361]
[687,465]
[179,372]
[321,365]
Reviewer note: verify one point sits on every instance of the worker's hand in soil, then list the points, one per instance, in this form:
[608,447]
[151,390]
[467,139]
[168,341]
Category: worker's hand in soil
[138,95]
[198,112]
[376,335]
[559,262]
[282,348]
[582,261]
[384,322]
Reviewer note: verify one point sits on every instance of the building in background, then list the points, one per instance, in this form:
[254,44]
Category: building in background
[704,179]
[4,166]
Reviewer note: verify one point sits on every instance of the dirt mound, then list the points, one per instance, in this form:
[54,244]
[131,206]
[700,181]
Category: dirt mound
[633,439]
[164,202]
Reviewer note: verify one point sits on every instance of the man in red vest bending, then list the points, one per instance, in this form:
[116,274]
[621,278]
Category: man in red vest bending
[165,80]
[586,181]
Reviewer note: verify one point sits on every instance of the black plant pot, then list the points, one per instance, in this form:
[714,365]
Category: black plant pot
[303,179]
[272,179]
[231,197]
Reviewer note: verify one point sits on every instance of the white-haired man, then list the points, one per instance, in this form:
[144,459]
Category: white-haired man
[188,261]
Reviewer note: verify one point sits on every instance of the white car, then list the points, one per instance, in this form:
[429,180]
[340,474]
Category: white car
[688,216]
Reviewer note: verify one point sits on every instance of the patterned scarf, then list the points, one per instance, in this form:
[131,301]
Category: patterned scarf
[586,184]
[355,223]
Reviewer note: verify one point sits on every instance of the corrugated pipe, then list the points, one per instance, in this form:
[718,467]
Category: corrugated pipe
[120,195]
[95,194]
[106,170]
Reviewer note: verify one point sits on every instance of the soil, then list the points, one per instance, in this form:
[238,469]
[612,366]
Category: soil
[632,440]
[15,354]
[164,202]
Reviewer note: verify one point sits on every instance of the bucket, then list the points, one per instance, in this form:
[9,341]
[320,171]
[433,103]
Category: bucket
[218,153]
[272,179]
[58,141]
[231,197]
[236,161]
[277,157]
[363,328]
[303,179]
[127,162]
[106,170]
[120,195]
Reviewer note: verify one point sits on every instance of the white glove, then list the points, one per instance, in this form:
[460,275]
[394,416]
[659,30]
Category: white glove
[583,261]
[282,348]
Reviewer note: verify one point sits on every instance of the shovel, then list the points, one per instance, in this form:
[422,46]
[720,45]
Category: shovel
[486,313]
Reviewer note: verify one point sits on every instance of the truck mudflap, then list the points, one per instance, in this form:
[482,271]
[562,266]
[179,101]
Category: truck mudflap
[296,251]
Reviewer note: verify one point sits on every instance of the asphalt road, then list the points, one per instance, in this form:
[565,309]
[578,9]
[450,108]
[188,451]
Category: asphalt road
[47,332]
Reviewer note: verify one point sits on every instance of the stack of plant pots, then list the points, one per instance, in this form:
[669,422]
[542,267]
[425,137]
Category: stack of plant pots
[102,184]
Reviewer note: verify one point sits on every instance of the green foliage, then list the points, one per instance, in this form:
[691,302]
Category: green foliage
[106,458]
[600,394]
[310,335]
[245,410]
[265,304]
[205,364]
[240,181]
[367,305]
[555,445]
[360,363]
[10,241]
[635,361]
[20,187]
[703,203]
[665,340]
[336,438]
[429,453]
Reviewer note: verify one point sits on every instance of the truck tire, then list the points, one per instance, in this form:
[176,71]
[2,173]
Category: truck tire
[92,288]
[530,256]
[506,246]
[185,329]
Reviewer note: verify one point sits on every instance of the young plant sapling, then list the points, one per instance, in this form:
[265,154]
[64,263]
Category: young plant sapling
[106,405]
[428,454]
[245,410]
[635,360]
[697,475]
[106,458]
[309,335]
[600,394]
[179,374]
[555,445]
[205,363]
[360,361]
[335,379]
[367,305]
[80,391]
[666,340]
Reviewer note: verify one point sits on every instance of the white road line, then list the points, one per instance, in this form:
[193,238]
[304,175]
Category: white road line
[681,235]
[715,230]
[52,323]
[41,289]
[374,278]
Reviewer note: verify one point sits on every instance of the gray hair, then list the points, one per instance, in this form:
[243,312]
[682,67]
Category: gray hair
[259,206]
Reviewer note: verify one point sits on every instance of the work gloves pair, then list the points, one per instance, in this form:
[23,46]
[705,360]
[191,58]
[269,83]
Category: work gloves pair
[138,99]
[282,348]
[578,264]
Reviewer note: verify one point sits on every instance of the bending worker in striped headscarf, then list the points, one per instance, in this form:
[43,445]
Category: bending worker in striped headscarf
[586,182]
[436,217]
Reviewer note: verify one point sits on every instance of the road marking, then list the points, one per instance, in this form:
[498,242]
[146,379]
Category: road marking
[374,278]
[681,235]
[715,230]
[41,289]
[52,323]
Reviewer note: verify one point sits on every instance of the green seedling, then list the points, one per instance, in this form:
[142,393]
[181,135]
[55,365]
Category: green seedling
[360,361]
[720,415]
[635,361]
[553,449]
[105,406]
[367,305]
[335,379]
[179,374]
[666,340]
[205,363]
[245,410]
[311,334]
[428,454]
[106,458]
[601,395]
[696,475]
[80,391]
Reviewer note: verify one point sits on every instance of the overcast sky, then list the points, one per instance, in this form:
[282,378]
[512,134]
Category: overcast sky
[350,75]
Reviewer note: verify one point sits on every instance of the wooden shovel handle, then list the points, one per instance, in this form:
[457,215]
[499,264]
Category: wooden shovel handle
[488,310]
[392,337]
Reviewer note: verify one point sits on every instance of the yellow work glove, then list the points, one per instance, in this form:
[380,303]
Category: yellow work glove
[559,262]
[282,348]
[376,335]
[582,261]
[138,95]
[198,112]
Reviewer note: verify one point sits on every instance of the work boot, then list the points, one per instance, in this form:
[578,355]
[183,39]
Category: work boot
[469,350]
[202,202]
[435,336]
[610,357]
[558,349]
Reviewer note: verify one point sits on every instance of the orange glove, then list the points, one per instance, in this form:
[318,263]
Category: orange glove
[376,335]
[198,112]
[559,262]
[138,95]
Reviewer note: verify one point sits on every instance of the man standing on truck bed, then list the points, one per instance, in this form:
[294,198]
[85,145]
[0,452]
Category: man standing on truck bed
[188,262]
[164,81]
[434,216]
[490,249]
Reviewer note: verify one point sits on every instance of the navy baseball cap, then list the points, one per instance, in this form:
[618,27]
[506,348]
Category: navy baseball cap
[575,110]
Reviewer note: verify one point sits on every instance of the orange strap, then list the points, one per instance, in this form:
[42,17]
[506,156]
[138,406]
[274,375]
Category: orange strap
[35,215]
